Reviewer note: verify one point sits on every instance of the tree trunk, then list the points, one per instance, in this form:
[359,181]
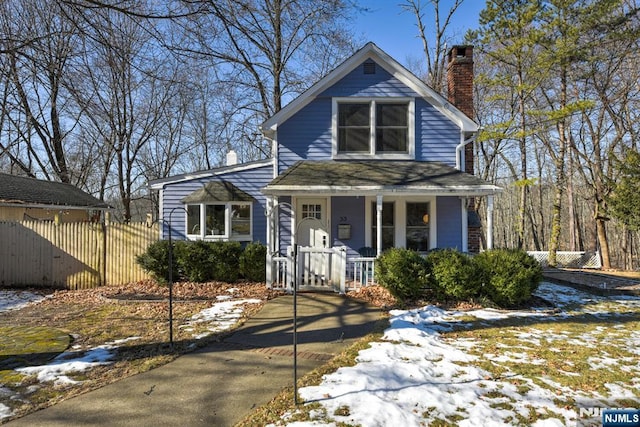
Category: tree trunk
[604,243]
[556,224]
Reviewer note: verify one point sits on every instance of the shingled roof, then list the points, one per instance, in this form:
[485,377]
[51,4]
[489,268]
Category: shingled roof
[218,191]
[377,176]
[23,191]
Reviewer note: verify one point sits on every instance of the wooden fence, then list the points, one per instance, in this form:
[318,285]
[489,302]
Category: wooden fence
[72,255]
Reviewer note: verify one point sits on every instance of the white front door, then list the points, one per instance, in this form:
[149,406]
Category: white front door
[312,224]
[312,227]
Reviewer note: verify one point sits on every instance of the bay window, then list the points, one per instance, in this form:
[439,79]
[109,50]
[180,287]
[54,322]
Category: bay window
[219,221]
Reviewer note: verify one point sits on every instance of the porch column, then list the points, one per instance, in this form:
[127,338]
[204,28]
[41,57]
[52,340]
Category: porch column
[465,225]
[270,248]
[489,222]
[378,224]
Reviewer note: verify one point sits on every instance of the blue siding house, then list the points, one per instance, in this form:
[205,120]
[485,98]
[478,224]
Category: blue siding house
[367,158]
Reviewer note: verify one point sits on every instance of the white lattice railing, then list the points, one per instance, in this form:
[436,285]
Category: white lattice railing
[566,259]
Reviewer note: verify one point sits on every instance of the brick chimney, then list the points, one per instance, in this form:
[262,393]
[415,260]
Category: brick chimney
[460,89]
[460,94]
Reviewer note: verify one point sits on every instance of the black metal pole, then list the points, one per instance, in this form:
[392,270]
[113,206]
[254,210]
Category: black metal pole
[295,324]
[170,284]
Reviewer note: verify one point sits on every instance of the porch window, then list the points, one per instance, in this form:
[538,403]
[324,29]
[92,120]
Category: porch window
[374,127]
[388,225]
[219,221]
[418,226]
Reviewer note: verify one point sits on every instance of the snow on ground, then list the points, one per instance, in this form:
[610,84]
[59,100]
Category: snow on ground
[15,300]
[220,316]
[415,376]
[74,362]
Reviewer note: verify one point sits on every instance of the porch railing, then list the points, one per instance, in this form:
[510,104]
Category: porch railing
[281,272]
[360,272]
[329,268]
[357,272]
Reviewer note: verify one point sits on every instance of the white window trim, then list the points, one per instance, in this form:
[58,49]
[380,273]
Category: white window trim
[227,223]
[400,212]
[411,139]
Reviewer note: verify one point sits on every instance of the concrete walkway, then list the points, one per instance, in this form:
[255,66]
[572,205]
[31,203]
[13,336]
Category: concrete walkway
[595,281]
[222,383]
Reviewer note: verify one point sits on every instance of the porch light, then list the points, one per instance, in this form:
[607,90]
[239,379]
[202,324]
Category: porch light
[425,218]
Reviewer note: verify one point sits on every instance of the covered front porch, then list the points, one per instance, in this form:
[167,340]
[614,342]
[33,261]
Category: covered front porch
[327,221]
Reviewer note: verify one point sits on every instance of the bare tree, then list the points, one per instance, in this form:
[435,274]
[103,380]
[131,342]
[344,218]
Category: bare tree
[128,87]
[40,118]
[434,51]
[265,52]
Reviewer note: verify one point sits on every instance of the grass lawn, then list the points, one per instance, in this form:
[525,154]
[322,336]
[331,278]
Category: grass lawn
[426,366]
[482,367]
[125,326]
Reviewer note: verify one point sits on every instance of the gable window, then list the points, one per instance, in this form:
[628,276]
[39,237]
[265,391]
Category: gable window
[391,128]
[375,127]
[354,128]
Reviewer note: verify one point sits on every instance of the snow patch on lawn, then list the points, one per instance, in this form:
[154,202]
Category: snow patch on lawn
[74,362]
[5,411]
[220,317]
[415,376]
[15,299]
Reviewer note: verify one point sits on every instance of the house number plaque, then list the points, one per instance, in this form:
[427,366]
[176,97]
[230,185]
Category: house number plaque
[344,231]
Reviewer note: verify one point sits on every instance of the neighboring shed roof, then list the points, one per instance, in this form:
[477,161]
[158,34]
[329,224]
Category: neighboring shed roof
[218,191]
[24,191]
[377,176]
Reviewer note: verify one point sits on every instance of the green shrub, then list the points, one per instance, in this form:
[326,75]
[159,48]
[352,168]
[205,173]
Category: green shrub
[509,276]
[224,259]
[155,261]
[454,275]
[193,258]
[197,261]
[253,262]
[403,272]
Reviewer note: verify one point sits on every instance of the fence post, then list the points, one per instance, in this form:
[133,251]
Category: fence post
[103,272]
[342,253]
